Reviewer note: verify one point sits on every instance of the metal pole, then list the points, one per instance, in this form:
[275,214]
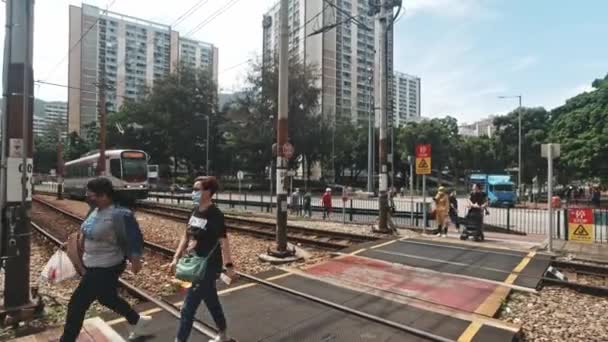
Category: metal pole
[282,131]
[410,159]
[519,163]
[17,154]
[424,204]
[59,167]
[207,149]
[549,195]
[383,68]
[370,138]
[101,163]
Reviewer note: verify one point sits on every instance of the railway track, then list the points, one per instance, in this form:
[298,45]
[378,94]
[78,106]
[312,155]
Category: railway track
[576,273]
[309,236]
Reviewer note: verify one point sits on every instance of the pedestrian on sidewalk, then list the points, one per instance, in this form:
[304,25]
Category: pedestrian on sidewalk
[326,201]
[111,236]
[454,210]
[206,236]
[295,202]
[308,204]
[442,207]
[596,197]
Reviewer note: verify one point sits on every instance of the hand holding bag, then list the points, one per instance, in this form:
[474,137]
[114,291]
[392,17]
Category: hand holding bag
[75,250]
[192,267]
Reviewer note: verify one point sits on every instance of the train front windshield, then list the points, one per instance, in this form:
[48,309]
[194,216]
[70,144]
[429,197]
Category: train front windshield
[134,167]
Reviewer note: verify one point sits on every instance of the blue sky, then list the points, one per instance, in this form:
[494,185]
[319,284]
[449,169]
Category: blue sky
[468,52]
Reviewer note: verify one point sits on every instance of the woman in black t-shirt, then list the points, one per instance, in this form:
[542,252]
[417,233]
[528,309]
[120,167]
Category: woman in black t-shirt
[206,236]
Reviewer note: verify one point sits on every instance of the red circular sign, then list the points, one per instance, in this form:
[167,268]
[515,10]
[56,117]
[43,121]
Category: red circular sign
[288,150]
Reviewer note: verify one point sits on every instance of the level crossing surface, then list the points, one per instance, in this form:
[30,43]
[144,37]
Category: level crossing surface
[401,289]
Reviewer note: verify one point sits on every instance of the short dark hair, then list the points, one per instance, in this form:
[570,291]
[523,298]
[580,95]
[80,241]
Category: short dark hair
[101,186]
[208,183]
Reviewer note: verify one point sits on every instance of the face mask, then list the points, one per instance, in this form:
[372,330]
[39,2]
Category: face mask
[196,197]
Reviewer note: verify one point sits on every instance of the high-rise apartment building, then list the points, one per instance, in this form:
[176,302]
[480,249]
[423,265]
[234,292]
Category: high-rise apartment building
[55,117]
[128,53]
[406,98]
[344,55]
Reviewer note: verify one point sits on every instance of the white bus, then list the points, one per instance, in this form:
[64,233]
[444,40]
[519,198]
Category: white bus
[127,169]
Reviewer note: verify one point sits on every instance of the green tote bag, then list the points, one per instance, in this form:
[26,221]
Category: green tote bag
[192,268]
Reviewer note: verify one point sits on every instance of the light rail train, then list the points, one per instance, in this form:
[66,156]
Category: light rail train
[127,169]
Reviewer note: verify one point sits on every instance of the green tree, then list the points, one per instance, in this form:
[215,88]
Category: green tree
[443,136]
[581,126]
[251,133]
[535,122]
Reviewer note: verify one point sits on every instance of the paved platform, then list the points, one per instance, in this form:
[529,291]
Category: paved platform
[93,330]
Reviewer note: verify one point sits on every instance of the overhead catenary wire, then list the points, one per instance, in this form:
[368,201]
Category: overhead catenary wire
[212,17]
[189,12]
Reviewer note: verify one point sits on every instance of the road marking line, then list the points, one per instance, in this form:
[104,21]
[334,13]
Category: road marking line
[383,244]
[470,332]
[493,302]
[177,304]
[517,270]
[358,251]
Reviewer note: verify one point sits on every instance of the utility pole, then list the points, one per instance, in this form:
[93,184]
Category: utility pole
[59,166]
[382,150]
[101,163]
[282,131]
[519,162]
[17,166]
[207,150]
[370,137]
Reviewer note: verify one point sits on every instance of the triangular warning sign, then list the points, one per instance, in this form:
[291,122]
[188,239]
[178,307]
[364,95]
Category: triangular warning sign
[581,231]
[423,164]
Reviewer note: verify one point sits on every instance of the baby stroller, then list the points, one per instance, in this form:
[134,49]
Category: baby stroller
[473,225]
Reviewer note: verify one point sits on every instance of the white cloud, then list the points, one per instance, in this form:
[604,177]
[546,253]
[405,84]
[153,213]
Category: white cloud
[237,33]
[523,63]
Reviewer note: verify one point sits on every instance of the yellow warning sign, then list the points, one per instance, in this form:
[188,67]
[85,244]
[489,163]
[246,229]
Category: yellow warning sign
[423,166]
[581,232]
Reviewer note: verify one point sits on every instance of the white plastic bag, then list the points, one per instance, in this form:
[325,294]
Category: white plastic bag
[58,268]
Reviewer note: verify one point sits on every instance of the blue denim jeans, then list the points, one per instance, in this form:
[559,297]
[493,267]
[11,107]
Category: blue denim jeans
[206,291]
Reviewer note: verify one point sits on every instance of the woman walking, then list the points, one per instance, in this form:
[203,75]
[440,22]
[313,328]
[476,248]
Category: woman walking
[111,237]
[205,235]
[442,208]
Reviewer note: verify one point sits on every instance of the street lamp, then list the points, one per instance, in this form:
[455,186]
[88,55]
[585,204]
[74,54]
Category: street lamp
[520,165]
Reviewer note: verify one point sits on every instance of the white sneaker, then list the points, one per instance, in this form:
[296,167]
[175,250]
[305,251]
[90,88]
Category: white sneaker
[221,337]
[140,328]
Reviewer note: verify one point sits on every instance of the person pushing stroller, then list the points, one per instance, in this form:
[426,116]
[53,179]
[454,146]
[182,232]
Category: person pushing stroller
[478,202]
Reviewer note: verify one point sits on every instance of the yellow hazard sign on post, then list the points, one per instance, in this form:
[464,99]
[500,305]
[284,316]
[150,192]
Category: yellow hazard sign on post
[423,166]
[580,225]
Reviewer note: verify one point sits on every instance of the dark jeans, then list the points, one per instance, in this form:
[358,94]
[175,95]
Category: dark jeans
[203,290]
[308,210]
[97,284]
